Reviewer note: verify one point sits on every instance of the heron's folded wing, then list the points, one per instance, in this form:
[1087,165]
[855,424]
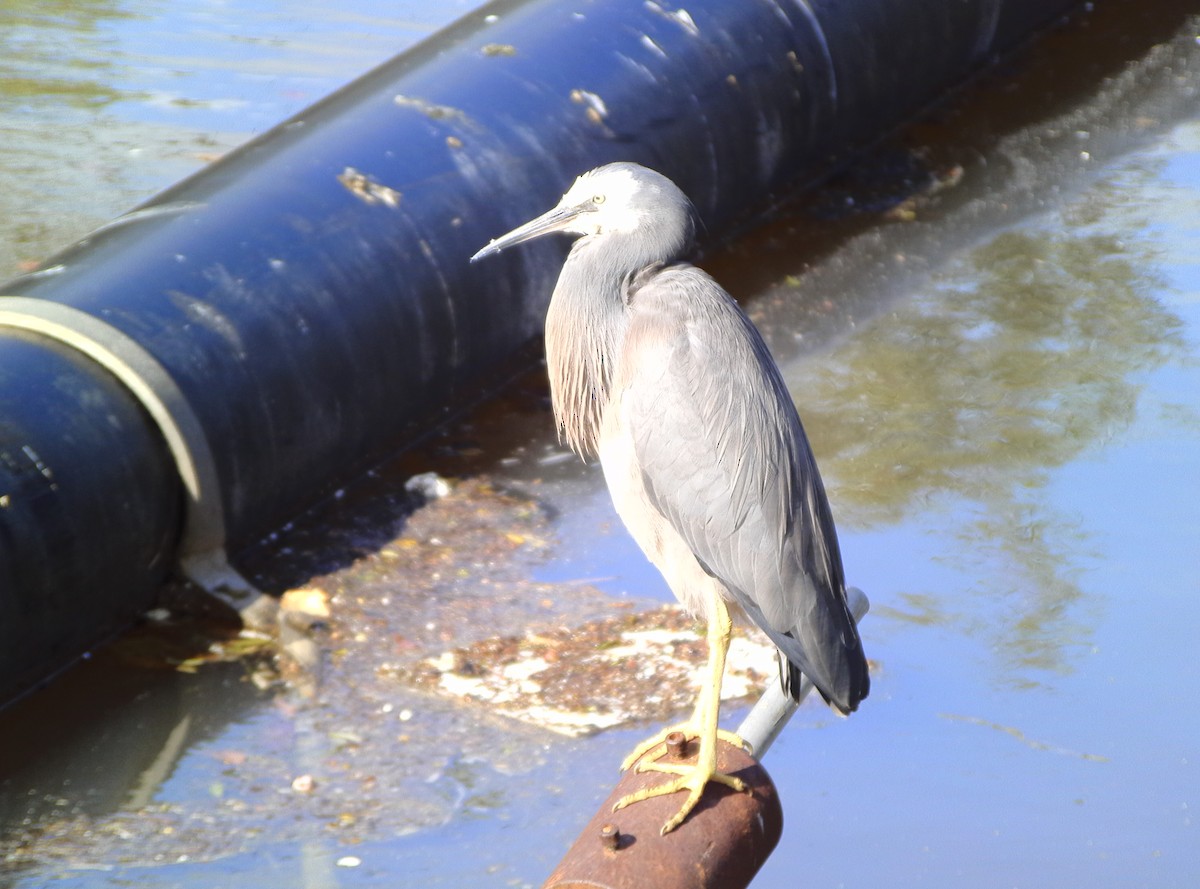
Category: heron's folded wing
[724,458]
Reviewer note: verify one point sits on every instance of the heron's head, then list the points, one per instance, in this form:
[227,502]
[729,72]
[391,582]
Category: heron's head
[621,199]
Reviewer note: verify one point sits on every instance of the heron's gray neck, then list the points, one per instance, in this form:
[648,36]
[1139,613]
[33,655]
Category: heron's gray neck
[585,327]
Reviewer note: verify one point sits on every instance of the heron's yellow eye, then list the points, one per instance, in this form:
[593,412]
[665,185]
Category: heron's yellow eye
[597,199]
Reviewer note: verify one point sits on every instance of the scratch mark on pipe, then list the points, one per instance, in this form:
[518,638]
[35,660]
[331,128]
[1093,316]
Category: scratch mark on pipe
[39,465]
[448,293]
[988,23]
[207,315]
[808,13]
[680,17]
[638,66]
[710,149]
[648,42]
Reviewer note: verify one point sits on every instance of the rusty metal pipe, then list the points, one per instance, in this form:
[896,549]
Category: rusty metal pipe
[721,845]
[725,839]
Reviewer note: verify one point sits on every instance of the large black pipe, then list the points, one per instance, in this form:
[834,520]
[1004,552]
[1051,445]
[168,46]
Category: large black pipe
[90,508]
[284,315]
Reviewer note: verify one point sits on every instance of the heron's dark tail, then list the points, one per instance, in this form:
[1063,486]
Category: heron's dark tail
[858,687]
[830,653]
[824,646]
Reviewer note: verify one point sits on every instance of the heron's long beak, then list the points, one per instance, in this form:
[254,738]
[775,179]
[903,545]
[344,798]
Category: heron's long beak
[555,220]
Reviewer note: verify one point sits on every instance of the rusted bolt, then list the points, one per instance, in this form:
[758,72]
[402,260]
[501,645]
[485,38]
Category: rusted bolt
[676,745]
[610,837]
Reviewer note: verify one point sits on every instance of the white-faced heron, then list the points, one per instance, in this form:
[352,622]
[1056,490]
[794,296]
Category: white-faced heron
[655,369]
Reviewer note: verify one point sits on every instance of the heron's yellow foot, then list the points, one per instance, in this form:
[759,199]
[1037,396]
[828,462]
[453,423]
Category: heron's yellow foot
[657,744]
[692,778]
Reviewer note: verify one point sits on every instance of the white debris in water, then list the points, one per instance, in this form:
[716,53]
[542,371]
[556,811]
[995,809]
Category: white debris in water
[429,485]
[613,676]
[304,784]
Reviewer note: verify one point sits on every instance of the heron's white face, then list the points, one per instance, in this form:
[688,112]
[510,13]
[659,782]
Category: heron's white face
[605,202]
[616,199]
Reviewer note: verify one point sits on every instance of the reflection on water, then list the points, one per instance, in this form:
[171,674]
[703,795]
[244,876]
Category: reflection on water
[1009,440]
[33,64]
[104,103]
[1018,735]
[1025,353]
[1043,339]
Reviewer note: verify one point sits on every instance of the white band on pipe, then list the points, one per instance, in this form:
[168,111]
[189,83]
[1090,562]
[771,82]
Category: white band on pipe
[202,548]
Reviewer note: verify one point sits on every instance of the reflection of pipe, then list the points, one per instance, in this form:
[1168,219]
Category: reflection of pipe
[287,314]
[725,840]
[152,778]
[64,738]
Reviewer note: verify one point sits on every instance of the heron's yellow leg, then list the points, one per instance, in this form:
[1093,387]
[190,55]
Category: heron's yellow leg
[693,778]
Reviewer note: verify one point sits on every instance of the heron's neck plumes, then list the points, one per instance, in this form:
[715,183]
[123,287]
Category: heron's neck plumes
[585,325]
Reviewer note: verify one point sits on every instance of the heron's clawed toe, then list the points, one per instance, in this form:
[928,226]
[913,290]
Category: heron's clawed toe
[671,768]
[691,778]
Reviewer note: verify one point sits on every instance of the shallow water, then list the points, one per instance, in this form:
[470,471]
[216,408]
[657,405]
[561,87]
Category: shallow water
[1001,381]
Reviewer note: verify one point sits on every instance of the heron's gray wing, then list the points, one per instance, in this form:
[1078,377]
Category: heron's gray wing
[724,458]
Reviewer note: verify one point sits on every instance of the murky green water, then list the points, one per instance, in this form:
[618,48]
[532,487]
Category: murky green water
[1003,388]
[104,103]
